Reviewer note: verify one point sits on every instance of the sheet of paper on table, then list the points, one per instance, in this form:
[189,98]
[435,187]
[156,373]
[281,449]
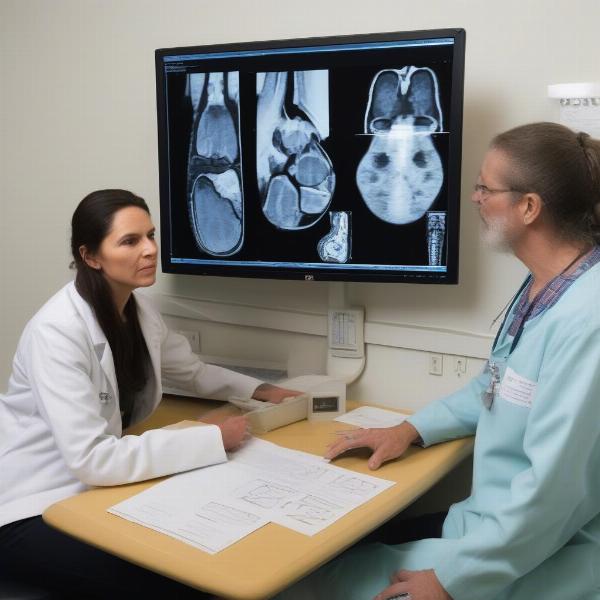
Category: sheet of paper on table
[214,507]
[372,417]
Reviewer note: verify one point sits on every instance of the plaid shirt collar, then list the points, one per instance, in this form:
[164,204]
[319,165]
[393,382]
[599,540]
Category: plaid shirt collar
[552,292]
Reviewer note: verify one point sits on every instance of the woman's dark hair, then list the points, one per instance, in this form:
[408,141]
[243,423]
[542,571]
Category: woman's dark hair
[91,223]
[563,167]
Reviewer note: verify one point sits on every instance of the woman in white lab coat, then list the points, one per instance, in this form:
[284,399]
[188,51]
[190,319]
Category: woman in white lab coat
[89,364]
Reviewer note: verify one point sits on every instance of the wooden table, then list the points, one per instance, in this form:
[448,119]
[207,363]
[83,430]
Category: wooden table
[272,558]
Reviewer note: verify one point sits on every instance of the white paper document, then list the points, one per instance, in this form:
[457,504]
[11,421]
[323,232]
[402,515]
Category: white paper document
[370,417]
[190,507]
[214,507]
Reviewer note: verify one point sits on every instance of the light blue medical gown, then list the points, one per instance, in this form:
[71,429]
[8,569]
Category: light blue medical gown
[531,528]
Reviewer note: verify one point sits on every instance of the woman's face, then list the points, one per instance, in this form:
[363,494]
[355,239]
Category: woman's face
[127,255]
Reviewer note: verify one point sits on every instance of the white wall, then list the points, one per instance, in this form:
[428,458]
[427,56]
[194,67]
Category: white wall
[78,113]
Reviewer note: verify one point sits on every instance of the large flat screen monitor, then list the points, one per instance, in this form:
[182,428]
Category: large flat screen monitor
[326,158]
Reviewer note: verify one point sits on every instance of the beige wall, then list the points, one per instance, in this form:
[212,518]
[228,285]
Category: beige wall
[78,113]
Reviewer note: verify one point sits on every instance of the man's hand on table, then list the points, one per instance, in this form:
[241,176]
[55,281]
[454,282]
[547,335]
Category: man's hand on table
[387,443]
[417,585]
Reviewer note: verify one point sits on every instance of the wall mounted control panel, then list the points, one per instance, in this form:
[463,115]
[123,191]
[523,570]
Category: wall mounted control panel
[346,332]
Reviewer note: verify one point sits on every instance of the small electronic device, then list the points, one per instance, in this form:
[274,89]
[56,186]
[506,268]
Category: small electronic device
[325,406]
[265,416]
[327,400]
[326,395]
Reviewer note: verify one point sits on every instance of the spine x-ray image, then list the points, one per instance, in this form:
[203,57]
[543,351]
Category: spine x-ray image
[295,176]
[436,230]
[401,174]
[335,246]
[215,192]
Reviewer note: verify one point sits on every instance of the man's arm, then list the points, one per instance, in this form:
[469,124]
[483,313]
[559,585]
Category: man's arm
[451,417]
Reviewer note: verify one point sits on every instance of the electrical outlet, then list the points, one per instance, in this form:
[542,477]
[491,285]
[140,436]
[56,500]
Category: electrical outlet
[193,337]
[436,364]
[460,365]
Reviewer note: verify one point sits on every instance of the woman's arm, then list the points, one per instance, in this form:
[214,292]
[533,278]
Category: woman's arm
[66,382]
[183,368]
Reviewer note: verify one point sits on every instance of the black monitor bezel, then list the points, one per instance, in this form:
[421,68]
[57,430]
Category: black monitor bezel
[454,164]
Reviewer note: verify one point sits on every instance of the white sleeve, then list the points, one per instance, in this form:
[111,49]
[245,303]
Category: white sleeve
[59,365]
[182,367]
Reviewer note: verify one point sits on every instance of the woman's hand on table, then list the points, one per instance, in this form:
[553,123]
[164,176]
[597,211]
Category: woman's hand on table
[273,393]
[387,443]
[234,431]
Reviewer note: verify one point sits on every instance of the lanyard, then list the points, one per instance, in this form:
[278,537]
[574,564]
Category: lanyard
[523,321]
[487,396]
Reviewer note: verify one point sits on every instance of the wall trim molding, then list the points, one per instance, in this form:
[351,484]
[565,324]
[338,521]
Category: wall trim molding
[248,315]
[395,335]
[428,339]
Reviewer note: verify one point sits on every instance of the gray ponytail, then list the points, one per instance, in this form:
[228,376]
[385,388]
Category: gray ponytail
[591,151]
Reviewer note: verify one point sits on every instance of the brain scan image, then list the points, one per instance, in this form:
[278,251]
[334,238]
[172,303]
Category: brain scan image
[215,192]
[335,246]
[401,174]
[295,176]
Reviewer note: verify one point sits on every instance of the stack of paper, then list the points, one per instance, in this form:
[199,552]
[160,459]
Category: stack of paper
[370,417]
[213,507]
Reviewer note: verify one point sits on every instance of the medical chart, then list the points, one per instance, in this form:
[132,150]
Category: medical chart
[214,507]
[372,417]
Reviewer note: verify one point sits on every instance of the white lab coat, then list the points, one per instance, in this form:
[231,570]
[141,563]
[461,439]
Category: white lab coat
[60,421]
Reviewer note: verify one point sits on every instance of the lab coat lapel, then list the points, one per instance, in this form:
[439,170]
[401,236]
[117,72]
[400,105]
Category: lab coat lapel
[99,341]
[108,364]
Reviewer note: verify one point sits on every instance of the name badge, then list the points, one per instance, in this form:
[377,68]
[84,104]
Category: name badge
[104,397]
[516,389]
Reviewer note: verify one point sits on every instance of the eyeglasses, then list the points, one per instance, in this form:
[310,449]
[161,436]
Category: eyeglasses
[484,191]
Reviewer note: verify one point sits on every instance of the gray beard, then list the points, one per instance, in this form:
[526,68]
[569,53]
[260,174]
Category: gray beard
[495,235]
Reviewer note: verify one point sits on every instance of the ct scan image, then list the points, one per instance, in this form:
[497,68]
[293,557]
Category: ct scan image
[401,174]
[215,190]
[295,176]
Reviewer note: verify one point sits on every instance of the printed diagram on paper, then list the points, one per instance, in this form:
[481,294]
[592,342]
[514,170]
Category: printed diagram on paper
[213,507]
